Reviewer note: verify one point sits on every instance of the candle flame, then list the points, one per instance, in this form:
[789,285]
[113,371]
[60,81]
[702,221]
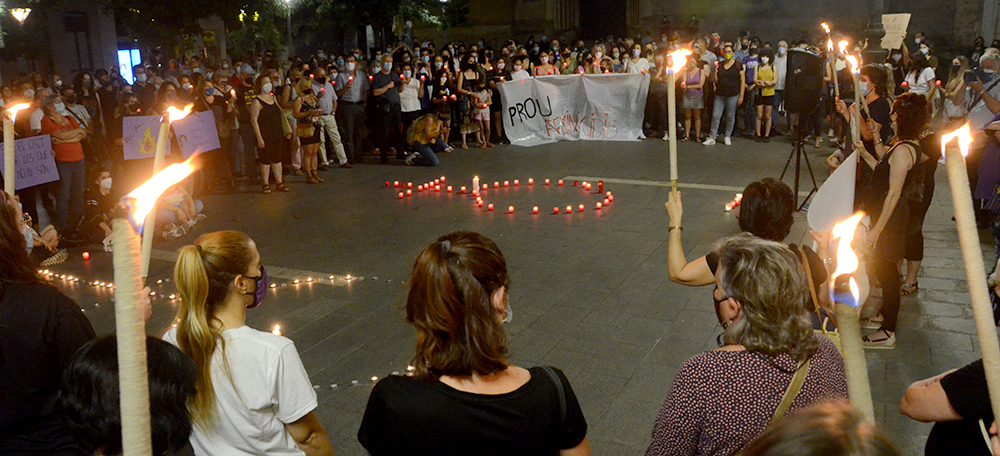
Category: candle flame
[143,199]
[854,64]
[14,109]
[178,114]
[825,27]
[276,331]
[843,46]
[964,136]
[678,59]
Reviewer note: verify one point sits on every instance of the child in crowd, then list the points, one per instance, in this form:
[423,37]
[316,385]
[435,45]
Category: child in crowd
[482,115]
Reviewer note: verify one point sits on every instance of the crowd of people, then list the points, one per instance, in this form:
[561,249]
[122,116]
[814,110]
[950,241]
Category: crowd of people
[223,387]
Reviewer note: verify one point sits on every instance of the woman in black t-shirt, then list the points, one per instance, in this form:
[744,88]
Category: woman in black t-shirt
[464,397]
[730,83]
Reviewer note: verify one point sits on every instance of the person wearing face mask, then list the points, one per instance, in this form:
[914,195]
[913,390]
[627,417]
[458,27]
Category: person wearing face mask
[730,85]
[872,82]
[468,78]
[920,78]
[68,153]
[636,63]
[411,86]
[218,278]
[268,124]
[545,65]
[781,75]
[352,85]
[899,60]
[325,91]
[750,63]
[388,136]
[765,78]
[567,63]
[101,203]
[985,93]
[956,92]
[484,404]
[497,76]
[518,71]
[927,49]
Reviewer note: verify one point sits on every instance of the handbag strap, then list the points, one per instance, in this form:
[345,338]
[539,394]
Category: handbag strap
[793,390]
[562,392]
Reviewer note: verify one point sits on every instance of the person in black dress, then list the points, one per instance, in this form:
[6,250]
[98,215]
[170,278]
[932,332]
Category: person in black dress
[266,118]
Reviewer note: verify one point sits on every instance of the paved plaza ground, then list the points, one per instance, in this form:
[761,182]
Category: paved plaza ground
[589,290]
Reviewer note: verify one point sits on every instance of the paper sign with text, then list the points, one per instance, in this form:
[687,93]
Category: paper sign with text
[139,135]
[895,30]
[196,133]
[598,107]
[34,163]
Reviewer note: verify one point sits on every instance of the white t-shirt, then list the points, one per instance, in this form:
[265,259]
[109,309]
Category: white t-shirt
[781,70]
[409,98]
[272,388]
[519,75]
[920,84]
[980,114]
[35,121]
[639,67]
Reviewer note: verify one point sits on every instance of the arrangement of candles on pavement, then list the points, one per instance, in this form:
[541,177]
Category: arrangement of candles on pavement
[480,189]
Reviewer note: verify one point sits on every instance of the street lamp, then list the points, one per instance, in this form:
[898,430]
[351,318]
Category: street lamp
[288,3]
[20,14]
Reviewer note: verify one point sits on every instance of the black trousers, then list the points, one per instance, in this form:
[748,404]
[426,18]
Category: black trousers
[390,130]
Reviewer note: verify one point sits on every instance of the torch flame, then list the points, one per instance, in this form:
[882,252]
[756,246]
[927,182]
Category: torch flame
[143,199]
[276,331]
[14,109]
[829,45]
[847,260]
[854,64]
[678,59]
[825,27]
[178,114]
[964,136]
[843,46]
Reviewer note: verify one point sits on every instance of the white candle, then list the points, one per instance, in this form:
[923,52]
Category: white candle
[677,60]
[968,237]
[475,183]
[131,339]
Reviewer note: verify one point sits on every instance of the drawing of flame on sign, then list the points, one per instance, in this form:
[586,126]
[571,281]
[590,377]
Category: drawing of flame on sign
[147,145]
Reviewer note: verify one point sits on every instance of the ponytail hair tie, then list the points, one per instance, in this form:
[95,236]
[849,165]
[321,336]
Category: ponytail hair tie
[200,251]
[445,246]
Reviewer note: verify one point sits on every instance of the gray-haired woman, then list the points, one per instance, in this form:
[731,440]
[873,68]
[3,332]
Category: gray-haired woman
[722,399]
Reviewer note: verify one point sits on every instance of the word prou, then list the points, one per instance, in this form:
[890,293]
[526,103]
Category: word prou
[528,109]
[592,126]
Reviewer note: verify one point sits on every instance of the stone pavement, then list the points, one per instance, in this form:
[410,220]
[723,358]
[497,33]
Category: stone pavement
[589,290]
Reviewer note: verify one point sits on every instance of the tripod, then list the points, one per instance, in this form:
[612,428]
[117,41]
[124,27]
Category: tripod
[798,151]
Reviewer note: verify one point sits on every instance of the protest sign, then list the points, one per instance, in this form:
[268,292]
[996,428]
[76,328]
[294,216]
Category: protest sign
[595,107]
[196,133]
[895,30]
[139,135]
[33,162]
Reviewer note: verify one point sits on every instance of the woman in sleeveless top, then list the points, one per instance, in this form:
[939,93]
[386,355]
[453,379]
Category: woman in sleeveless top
[765,79]
[266,119]
[467,79]
[306,110]
[694,96]
[885,201]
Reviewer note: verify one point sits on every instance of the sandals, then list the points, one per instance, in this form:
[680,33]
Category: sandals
[883,343]
[908,288]
[57,258]
[282,187]
[267,189]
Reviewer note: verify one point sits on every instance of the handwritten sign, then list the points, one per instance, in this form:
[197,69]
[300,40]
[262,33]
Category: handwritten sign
[34,163]
[139,136]
[196,133]
[895,30]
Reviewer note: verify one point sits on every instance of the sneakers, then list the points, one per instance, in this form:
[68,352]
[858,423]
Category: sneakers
[666,136]
[728,141]
[449,149]
[880,344]
[409,158]
[709,142]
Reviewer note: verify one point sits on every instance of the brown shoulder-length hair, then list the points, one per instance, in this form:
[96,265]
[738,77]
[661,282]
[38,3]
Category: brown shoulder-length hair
[826,428]
[450,306]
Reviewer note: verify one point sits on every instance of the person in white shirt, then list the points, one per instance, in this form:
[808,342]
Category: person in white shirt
[637,64]
[254,395]
[35,121]
[519,72]
[781,71]
[410,88]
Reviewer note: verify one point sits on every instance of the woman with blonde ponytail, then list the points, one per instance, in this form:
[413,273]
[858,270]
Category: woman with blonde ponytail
[464,396]
[254,395]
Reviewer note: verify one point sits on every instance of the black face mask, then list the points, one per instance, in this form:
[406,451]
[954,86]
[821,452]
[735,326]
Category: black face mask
[321,80]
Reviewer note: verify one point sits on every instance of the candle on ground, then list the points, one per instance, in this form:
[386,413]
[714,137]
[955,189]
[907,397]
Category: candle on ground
[510,209]
[490,207]
[600,186]
[480,203]
[442,178]
[463,189]
[569,209]
[606,202]
[400,195]
[560,181]
[386,183]
[581,208]
[449,189]
[86,255]
[496,184]
[534,210]
[485,186]
[409,185]
[409,192]
[506,183]
[531,181]
[396,184]
[475,182]
[555,210]
[517,182]
[598,205]
[546,182]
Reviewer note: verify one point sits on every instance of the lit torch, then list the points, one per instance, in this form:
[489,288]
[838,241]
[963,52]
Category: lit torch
[129,321]
[8,147]
[173,114]
[968,237]
[677,60]
[846,303]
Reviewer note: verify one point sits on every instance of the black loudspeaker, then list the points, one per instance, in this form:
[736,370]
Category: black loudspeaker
[804,81]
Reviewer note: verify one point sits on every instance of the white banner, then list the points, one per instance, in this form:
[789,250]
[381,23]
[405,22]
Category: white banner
[594,107]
